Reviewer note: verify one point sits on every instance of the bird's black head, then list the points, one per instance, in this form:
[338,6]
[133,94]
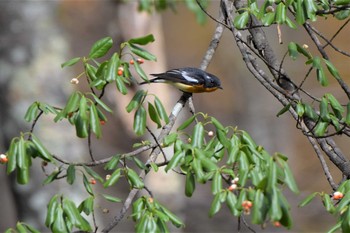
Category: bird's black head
[211,81]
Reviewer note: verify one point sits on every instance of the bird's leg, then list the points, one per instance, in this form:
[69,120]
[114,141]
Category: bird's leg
[191,105]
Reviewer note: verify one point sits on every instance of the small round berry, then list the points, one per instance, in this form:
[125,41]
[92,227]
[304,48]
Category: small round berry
[108,177]
[270,9]
[140,60]
[102,122]
[235,180]
[305,46]
[150,200]
[120,72]
[210,133]
[105,210]
[277,224]
[338,195]
[247,204]
[3,159]
[92,181]
[132,62]
[74,81]
[232,187]
[189,140]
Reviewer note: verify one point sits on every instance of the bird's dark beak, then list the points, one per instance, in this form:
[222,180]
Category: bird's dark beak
[221,88]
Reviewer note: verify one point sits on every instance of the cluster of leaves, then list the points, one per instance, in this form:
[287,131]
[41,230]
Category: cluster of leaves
[271,12]
[232,153]
[22,227]
[330,111]
[151,216]
[339,208]
[159,5]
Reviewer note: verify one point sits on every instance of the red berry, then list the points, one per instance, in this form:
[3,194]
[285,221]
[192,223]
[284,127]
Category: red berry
[3,159]
[120,72]
[338,195]
[140,60]
[277,224]
[102,122]
[92,181]
[132,62]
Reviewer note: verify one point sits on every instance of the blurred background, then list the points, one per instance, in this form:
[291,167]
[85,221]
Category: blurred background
[37,36]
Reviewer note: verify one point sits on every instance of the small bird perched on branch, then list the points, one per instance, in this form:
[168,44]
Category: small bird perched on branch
[191,80]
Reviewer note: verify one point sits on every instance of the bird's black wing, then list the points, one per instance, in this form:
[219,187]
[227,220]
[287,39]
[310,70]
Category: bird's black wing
[184,75]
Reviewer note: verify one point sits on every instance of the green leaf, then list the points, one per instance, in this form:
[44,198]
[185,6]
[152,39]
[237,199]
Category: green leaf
[103,105]
[175,160]
[198,135]
[321,77]
[161,110]
[170,139]
[142,40]
[281,13]
[52,176]
[142,53]
[134,179]
[215,205]
[290,23]
[324,112]
[90,71]
[331,68]
[258,213]
[186,123]
[231,201]
[336,106]
[140,71]
[81,126]
[111,198]
[154,115]
[243,168]
[320,128]
[275,211]
[87,185]
[289,178]
[341,2]
[300,13]
[112,179]
[71,174]
[71,62]
[341,15]
[308,199]
[112,164]
[190,184]
[12,156]
[95,124]
[310,9]
[347,119]
[216,185]
[51,210]
[241,20]
[176,221]
[22,160]
[112,67]
[293,50]
[140,121]
[59,224]
[310,112]
[43,152]
[304,51]
[136,100]
[328,203]
[32,112]
[268,18]
[137,208]
[87,206]
[92,173]
[101,47]
[335,228]
[31,229]
[72,213]
[121,86]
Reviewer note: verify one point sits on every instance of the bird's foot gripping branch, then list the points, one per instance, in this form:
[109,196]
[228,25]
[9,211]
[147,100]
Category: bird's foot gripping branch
[242,175]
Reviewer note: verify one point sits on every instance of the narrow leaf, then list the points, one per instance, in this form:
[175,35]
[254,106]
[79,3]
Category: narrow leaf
[140,121]
[101,47]
[71,62]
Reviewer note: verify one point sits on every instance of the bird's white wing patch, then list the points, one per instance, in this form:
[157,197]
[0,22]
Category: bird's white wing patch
[188,78]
